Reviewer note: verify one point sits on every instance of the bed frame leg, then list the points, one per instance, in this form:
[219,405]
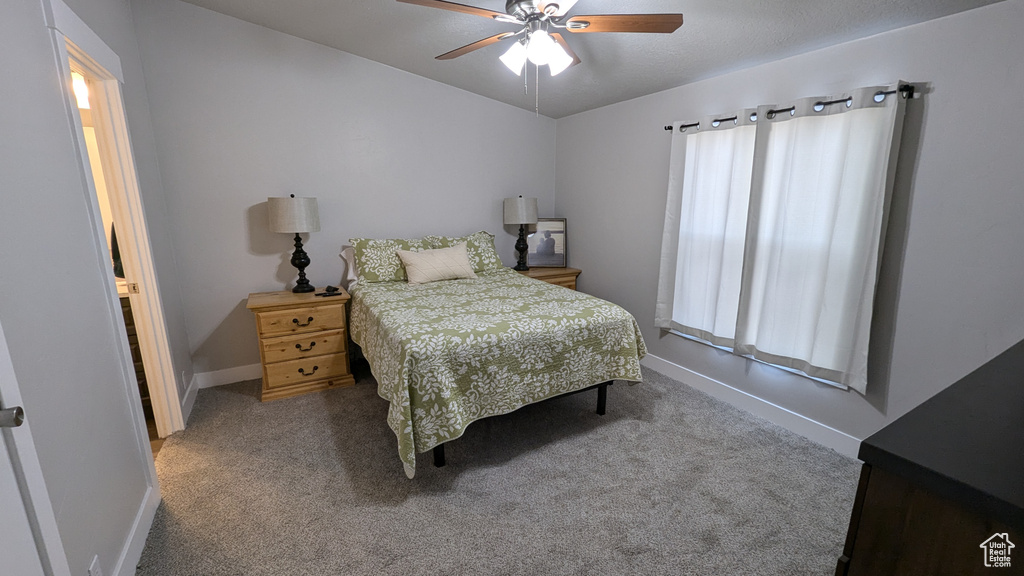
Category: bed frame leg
[602,397]
[439,456]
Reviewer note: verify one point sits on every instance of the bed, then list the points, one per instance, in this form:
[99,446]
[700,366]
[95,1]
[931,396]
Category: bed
[448,353]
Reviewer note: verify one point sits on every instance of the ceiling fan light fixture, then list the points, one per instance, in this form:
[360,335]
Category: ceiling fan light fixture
[515,58]
[559,60]
[540,47]
[536,17]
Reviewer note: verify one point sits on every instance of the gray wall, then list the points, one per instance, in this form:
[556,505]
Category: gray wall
[56,306]
[951,295]
[244,112]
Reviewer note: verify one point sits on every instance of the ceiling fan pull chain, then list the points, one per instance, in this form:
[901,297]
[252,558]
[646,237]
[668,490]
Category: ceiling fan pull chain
[526,81]
[536,89]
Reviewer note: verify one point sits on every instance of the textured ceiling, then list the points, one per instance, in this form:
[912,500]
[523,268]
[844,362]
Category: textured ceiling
[716,37]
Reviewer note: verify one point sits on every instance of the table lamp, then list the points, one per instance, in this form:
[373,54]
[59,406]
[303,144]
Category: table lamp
[292,216]
[521,211]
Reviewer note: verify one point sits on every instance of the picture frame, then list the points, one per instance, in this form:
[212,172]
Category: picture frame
[547,243]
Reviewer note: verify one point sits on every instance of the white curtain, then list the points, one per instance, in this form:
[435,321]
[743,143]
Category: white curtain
[773,234]
[819,194]
[705,227]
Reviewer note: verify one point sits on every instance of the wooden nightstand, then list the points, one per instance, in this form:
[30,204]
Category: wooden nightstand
[303,342]
[559,276]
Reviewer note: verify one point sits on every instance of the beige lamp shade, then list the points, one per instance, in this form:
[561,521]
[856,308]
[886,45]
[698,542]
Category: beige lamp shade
[520,210]
[293,215]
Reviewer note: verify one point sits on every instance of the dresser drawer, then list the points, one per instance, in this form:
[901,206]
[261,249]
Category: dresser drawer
[296,346]
[309,369]
[564,281]
[300,320]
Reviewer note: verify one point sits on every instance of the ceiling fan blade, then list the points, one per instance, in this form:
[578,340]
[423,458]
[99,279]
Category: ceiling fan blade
[657,23]
[565,46]
[458,8]
[474,46]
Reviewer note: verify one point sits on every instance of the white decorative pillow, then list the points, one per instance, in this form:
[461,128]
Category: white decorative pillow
[434,265]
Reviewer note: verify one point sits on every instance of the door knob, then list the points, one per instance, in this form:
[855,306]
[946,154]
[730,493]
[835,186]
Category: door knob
[11,417]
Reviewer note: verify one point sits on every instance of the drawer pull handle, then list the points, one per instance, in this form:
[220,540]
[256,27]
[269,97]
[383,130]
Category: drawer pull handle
[303,372]
[301,349]
[308,322]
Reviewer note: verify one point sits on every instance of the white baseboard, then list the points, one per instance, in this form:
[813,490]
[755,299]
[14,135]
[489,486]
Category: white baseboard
[815,431]
[189,401]
[136,541]
[228,376]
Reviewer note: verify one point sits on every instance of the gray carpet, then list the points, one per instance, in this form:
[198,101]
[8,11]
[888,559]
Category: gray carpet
[670,481]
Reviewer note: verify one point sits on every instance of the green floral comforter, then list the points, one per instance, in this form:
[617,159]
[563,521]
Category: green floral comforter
[446,354]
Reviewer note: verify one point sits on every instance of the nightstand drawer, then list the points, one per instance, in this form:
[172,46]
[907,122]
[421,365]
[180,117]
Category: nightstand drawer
[565,282]
[293,347]
[565,277]
[309,369]
[299,320]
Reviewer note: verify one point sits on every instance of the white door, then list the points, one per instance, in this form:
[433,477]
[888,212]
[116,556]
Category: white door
[17,545]
[29,542]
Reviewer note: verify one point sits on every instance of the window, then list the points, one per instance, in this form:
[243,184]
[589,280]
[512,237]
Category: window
[773,230]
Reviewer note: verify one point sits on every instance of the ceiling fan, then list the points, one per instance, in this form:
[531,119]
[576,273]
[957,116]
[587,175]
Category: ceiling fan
[537,42]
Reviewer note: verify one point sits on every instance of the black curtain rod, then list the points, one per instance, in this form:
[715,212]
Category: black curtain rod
[831,102]
[772,113]
[906,90]
[684,126]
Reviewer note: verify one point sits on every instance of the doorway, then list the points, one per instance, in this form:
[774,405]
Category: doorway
[75,44]
[120,220]
[80,83]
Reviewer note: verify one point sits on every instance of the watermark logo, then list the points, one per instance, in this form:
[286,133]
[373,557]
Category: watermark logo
[997,550]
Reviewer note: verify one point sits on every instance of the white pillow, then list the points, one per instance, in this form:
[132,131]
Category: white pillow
[433,265]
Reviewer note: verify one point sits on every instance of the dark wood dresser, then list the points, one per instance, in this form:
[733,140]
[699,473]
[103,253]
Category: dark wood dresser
[942,488]
[133,344]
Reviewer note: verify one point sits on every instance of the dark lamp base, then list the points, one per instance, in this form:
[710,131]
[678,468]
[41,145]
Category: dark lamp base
[521,247]
[300,260]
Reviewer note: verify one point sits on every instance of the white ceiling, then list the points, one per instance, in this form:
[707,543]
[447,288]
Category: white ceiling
[717,36]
